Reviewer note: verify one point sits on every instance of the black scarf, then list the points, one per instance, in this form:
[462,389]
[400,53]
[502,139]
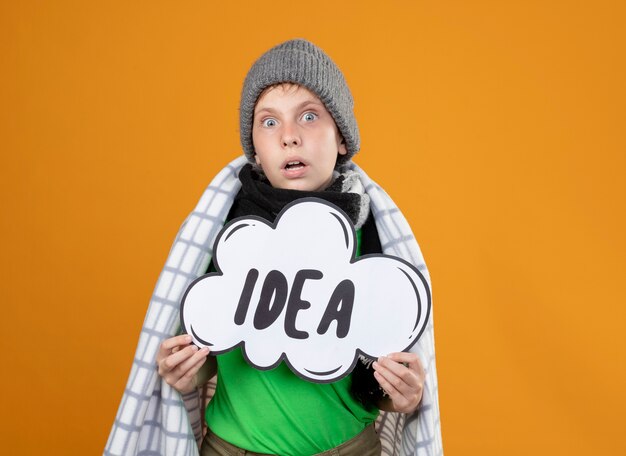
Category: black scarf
[258,197]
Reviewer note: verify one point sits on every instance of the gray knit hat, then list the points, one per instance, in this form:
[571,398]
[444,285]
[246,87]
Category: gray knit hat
[300,61]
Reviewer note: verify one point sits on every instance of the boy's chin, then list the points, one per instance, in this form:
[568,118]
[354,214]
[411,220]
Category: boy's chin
[301,185]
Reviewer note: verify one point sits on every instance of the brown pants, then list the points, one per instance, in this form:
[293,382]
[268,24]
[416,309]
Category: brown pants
[365,443]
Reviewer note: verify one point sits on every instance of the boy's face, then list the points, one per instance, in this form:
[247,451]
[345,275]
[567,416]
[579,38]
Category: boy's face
[295,139]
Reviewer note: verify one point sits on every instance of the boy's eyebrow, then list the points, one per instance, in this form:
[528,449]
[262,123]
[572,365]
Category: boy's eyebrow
[297,108]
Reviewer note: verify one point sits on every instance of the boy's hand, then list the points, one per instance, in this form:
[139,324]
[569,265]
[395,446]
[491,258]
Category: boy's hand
[402,376]
[179,362]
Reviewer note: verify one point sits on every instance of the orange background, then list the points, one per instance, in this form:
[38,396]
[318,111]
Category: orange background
[498,128]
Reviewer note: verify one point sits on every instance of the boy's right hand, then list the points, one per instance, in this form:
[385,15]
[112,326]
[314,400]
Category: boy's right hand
[179,362]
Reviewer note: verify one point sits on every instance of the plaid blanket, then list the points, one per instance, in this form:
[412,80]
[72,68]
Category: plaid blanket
[153,418]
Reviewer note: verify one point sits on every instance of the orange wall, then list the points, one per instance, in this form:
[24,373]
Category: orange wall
[498,127]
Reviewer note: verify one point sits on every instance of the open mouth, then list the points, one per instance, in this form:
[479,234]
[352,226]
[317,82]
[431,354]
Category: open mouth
[293,165]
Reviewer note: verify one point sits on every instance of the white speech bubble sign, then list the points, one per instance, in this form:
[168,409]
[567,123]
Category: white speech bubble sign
[294,291]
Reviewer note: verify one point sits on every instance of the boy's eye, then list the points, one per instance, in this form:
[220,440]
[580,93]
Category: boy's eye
[269,122]
[309,116]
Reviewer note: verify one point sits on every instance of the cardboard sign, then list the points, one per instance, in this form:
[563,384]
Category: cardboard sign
[293,291]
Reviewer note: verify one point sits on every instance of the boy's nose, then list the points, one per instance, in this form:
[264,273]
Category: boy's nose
[290,137]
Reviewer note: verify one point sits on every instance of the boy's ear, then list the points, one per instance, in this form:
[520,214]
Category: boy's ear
[343,150]
[257,159]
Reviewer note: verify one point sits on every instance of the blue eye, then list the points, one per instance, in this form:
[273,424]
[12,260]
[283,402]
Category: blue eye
[269,123]
[309,116]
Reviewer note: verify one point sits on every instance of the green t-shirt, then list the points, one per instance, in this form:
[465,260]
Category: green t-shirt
[277,412]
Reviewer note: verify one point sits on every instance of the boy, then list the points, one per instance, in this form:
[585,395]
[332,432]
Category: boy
[299,133]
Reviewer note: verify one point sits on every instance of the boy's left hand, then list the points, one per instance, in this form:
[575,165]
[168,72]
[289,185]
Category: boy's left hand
[402,376]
